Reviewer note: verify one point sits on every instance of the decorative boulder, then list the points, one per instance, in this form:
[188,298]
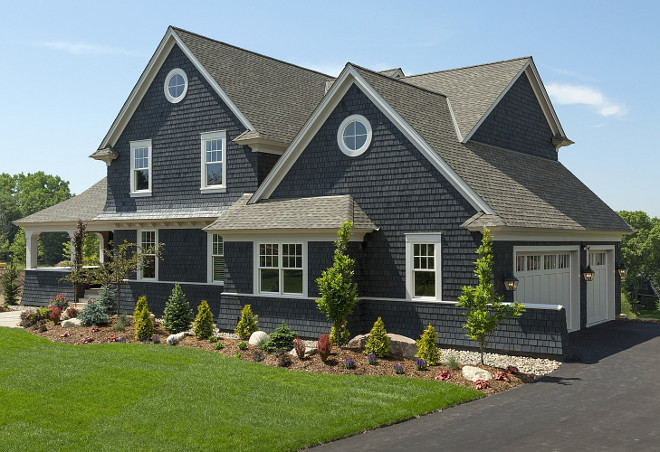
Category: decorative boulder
[474,373]
[400,346]
[258,337]
[64,316]
[71,323]
[308,352]
[174,339]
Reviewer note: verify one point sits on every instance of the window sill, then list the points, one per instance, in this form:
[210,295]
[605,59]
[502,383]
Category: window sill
[140,194]
[213,190]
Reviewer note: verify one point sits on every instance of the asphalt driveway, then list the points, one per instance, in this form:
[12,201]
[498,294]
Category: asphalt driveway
[608,399]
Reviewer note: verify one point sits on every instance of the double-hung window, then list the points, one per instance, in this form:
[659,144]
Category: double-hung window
[214,168]
[147,247]
[217,260]
[140,168]
[280,268]
[423,266]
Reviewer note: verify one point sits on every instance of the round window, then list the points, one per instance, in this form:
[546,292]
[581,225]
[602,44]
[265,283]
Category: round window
[176,85]
[354,135]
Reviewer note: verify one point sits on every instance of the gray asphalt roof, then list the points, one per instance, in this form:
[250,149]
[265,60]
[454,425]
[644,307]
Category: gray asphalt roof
[471,90]
[85,206]
[276,97]
[524,190]
[324,212]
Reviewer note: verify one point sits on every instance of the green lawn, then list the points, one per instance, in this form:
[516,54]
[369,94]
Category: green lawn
[150,397]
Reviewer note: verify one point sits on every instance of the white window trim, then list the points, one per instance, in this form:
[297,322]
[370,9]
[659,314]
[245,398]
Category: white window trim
[340,135]
[139,243]
[173,72]
[204,137]
[255,267]
[434,238]
[209,273]
[135,145]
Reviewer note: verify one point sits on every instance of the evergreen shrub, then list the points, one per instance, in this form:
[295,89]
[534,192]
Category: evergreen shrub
[93,315]
[281,339]
[378,343]
[107,299]
[178,315]
[144,327]
[248,323]
[426,348]
[203,324]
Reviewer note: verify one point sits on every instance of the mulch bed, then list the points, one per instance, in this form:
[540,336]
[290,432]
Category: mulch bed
[333,365]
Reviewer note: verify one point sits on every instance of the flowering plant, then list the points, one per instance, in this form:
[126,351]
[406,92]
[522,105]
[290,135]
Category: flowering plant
[372,359]
[60,301]
[398,369]
[349,363]
[421,364]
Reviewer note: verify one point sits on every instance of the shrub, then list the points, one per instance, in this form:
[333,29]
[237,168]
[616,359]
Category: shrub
[248,323]
[30,318]
[426,348]
[503,376]
[349,363]
[59,301]
[482,384]
[72,312]
[9,287]
[263,340]
[178,314]
[108,300]
[242,346]
[444,375]
[421,364]
[378,343]
[258,356]
[219,346]
[324,346]
[213,339]
[398,369]
[452,362]
[203,324]
[155,339]
[283,358]
[238,355]
[512,369]
[54,314]
[144,327]
[337,289]
[373,359]
[282,338]
[93,314]
[140,304]
[299,347]
[122,323]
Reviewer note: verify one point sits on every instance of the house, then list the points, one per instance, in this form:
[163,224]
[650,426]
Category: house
[245,166]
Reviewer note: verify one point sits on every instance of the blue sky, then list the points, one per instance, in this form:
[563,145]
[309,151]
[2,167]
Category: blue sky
[69,66]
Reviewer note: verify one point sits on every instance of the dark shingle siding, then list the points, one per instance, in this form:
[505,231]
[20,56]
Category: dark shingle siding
[398,188]
[42,285]
[518,123]
[185,255]
[176,156]
[157,294]
[239,258]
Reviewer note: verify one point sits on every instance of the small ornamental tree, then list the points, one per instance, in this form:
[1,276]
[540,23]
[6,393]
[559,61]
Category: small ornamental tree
[426,348]
[121,262]
[378,343]
[178,315]
[484,310]
[9,287]
[140,305]
[144,327]
[203,325]
[248,323]
[78,275]
[337,289]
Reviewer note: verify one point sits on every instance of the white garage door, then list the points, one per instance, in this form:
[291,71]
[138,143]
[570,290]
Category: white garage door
[545,278]
[599,290]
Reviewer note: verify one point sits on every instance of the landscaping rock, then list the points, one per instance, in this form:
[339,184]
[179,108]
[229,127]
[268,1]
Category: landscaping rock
[474,373]
[257,337]
[173,339]
[400,346]
[64,316]
[308,352]
[71,323]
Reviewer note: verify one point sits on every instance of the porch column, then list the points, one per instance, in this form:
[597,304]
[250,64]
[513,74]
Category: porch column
[31,248]
[71,233]
[102,242]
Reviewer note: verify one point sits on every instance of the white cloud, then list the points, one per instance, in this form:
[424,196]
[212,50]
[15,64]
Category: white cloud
[81,48]
[569,94]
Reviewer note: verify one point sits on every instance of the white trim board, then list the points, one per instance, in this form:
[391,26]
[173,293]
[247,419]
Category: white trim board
[147,77]
[346,79]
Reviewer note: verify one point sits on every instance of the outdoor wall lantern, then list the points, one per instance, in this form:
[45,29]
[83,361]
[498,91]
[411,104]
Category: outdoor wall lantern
[622,269]
[588,274]
[511,283]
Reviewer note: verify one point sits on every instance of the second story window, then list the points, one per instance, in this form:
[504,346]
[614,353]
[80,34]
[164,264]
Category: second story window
[141,168]
[214,168]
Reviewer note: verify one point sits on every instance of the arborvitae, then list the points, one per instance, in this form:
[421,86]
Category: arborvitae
[178,315]
[144,328]
[248,323]
[426,348]
[378,343]
[204,321]
[139,306]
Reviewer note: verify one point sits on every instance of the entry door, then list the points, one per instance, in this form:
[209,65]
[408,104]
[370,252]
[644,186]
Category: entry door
[598,290]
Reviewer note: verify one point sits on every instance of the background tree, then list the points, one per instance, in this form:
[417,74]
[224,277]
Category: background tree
[483,306]
[121,262]
[640,253]
[338,291]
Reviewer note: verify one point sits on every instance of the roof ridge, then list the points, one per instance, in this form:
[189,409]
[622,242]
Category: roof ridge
[251,51]
[399,80]
[468,67]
